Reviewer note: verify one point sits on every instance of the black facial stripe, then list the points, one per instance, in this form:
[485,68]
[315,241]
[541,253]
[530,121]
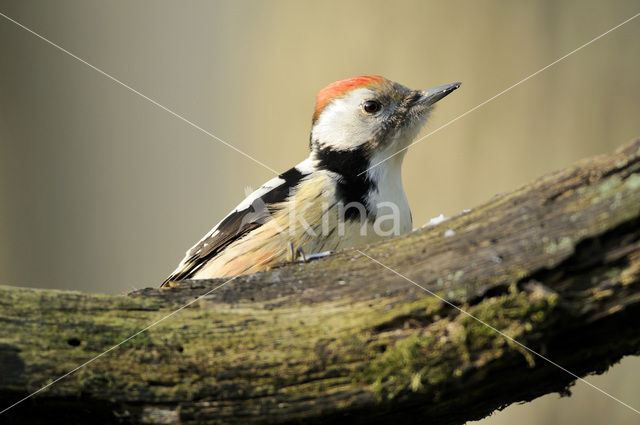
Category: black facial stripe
[348,164]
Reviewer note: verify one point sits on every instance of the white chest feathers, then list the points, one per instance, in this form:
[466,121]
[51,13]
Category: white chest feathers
[388,200]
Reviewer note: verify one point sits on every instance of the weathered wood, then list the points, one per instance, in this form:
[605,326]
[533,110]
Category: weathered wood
[555,265]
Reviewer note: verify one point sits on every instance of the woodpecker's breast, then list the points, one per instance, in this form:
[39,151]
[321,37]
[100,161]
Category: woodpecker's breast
[387,192]
[390,206]
[362,177]
[326,211]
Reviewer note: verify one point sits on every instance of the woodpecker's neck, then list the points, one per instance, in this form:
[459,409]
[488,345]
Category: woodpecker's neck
[347,166]
[389,196]
[356,182]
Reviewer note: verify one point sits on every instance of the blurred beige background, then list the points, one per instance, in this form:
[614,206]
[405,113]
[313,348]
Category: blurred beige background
[100,190]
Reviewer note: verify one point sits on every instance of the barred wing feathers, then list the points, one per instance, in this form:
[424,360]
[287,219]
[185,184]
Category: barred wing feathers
[250,214]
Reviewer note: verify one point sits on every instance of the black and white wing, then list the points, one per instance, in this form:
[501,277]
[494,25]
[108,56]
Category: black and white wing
[250,214]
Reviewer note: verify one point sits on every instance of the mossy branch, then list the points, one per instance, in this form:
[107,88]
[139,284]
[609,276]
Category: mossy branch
[554,265]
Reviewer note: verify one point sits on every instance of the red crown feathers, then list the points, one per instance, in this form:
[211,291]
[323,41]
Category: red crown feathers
[340,88]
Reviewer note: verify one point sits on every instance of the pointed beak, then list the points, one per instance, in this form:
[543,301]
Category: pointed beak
[434,94]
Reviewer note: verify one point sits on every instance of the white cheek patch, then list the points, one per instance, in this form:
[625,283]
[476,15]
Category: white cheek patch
[409,133]
[416,125]
[342,125]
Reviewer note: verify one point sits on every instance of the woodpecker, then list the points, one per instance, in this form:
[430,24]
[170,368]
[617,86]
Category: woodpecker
[348,192]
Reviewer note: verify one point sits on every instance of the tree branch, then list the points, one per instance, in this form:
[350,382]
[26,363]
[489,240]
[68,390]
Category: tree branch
[554,265]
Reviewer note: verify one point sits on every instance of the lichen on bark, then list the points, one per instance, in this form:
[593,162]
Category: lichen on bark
[554,265]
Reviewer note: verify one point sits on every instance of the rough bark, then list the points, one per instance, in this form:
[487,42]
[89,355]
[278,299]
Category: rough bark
[554,265]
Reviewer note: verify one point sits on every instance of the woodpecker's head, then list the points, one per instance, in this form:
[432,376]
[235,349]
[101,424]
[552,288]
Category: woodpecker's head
[362,119]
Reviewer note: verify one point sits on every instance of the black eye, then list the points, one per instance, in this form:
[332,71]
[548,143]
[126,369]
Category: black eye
[371,106]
